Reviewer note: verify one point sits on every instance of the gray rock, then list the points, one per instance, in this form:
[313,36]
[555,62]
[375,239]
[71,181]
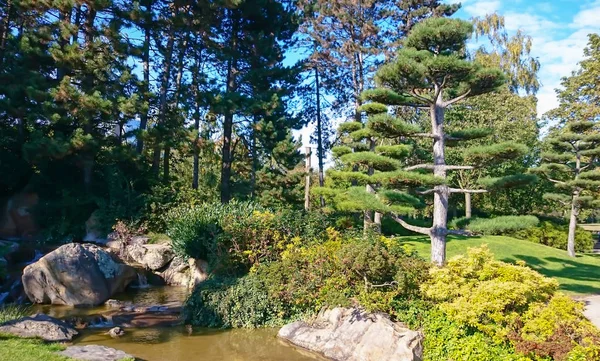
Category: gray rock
[151,256]
[116,332]
[345,334]
[76,275]
[186,273]
[95,353]
[45,327]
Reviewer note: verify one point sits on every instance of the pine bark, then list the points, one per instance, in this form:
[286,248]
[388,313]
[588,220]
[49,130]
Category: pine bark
[439,228]
[468,212]
[320,153]
[164,89]
[146,85]
[226,155]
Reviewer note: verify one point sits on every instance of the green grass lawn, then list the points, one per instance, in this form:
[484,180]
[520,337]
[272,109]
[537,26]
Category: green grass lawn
[19,349]
[578,276]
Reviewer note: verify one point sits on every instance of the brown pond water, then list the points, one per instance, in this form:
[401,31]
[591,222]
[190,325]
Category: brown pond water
[149,296]
[174,344]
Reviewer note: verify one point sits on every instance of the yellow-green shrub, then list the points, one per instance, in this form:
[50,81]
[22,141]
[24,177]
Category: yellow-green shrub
[489,295]
[511,305]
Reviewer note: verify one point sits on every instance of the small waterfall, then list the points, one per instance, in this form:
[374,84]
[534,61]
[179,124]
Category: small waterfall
[142,281]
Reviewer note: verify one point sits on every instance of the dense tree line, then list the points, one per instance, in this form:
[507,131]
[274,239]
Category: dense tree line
[128,108]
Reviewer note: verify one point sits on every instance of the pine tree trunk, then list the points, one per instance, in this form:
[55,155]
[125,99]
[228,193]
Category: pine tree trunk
[195,85]
[228,121]
[320,153]
[88,156]
[146,86]
[254,159]
[468,205]
[439,229]
[572,226]
[164,89]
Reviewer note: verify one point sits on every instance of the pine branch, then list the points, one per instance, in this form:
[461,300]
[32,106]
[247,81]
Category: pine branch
[460,232]
[557,181]
[429,191]
[410,227]
[445,167]
[420,97]
[470,191]
[457,99]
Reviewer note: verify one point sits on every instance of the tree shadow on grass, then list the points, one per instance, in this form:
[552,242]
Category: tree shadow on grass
[578,275]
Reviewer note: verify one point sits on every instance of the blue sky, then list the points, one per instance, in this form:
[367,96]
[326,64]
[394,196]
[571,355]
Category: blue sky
[559,30]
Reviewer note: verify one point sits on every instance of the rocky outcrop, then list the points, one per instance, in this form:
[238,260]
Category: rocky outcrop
[344,334]
[45,327]
[76,275]
[95,353]
[151,256]
[185,273]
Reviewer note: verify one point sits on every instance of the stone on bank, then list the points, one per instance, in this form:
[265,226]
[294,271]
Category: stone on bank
[76,275]
[350,334]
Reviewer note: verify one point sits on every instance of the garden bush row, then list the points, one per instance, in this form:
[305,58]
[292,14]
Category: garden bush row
[473,309]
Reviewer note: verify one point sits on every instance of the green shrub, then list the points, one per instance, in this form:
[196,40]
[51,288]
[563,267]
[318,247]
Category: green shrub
[376,273]
[447,340]
[556,235]
[511,305]
[237,236]
[233,303]
[495,226]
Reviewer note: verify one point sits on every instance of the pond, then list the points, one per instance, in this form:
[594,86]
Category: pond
[175,343]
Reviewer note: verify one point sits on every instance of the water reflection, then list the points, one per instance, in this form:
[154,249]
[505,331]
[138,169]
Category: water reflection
[169,296]
[174,344]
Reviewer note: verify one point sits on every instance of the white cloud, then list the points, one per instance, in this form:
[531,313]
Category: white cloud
[588,16]
[481,8]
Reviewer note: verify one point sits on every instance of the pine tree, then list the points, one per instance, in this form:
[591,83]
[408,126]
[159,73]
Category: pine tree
[572,159]
[249,43]
[431,68]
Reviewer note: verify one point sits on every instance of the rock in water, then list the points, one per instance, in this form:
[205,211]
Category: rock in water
[185,273]
[116,332]
[344,334]
[45,327]
[76,275]
[95,353]
[151,256]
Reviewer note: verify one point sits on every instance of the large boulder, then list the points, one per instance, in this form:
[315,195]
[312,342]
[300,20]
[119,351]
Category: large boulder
[42,326]
[186,273]
[95,353]
[76,275]
[344,334]
[151,256]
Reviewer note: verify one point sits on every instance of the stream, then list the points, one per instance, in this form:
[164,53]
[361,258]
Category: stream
[175,343]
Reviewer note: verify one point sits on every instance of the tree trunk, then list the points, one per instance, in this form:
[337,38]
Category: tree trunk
[468,205]
[254,158]
[574,206]
[164,89]
[146,86]
[195,90]
[88,156]
[439,229]
[320,153]
[228,119]
[572,226]
[178,79]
